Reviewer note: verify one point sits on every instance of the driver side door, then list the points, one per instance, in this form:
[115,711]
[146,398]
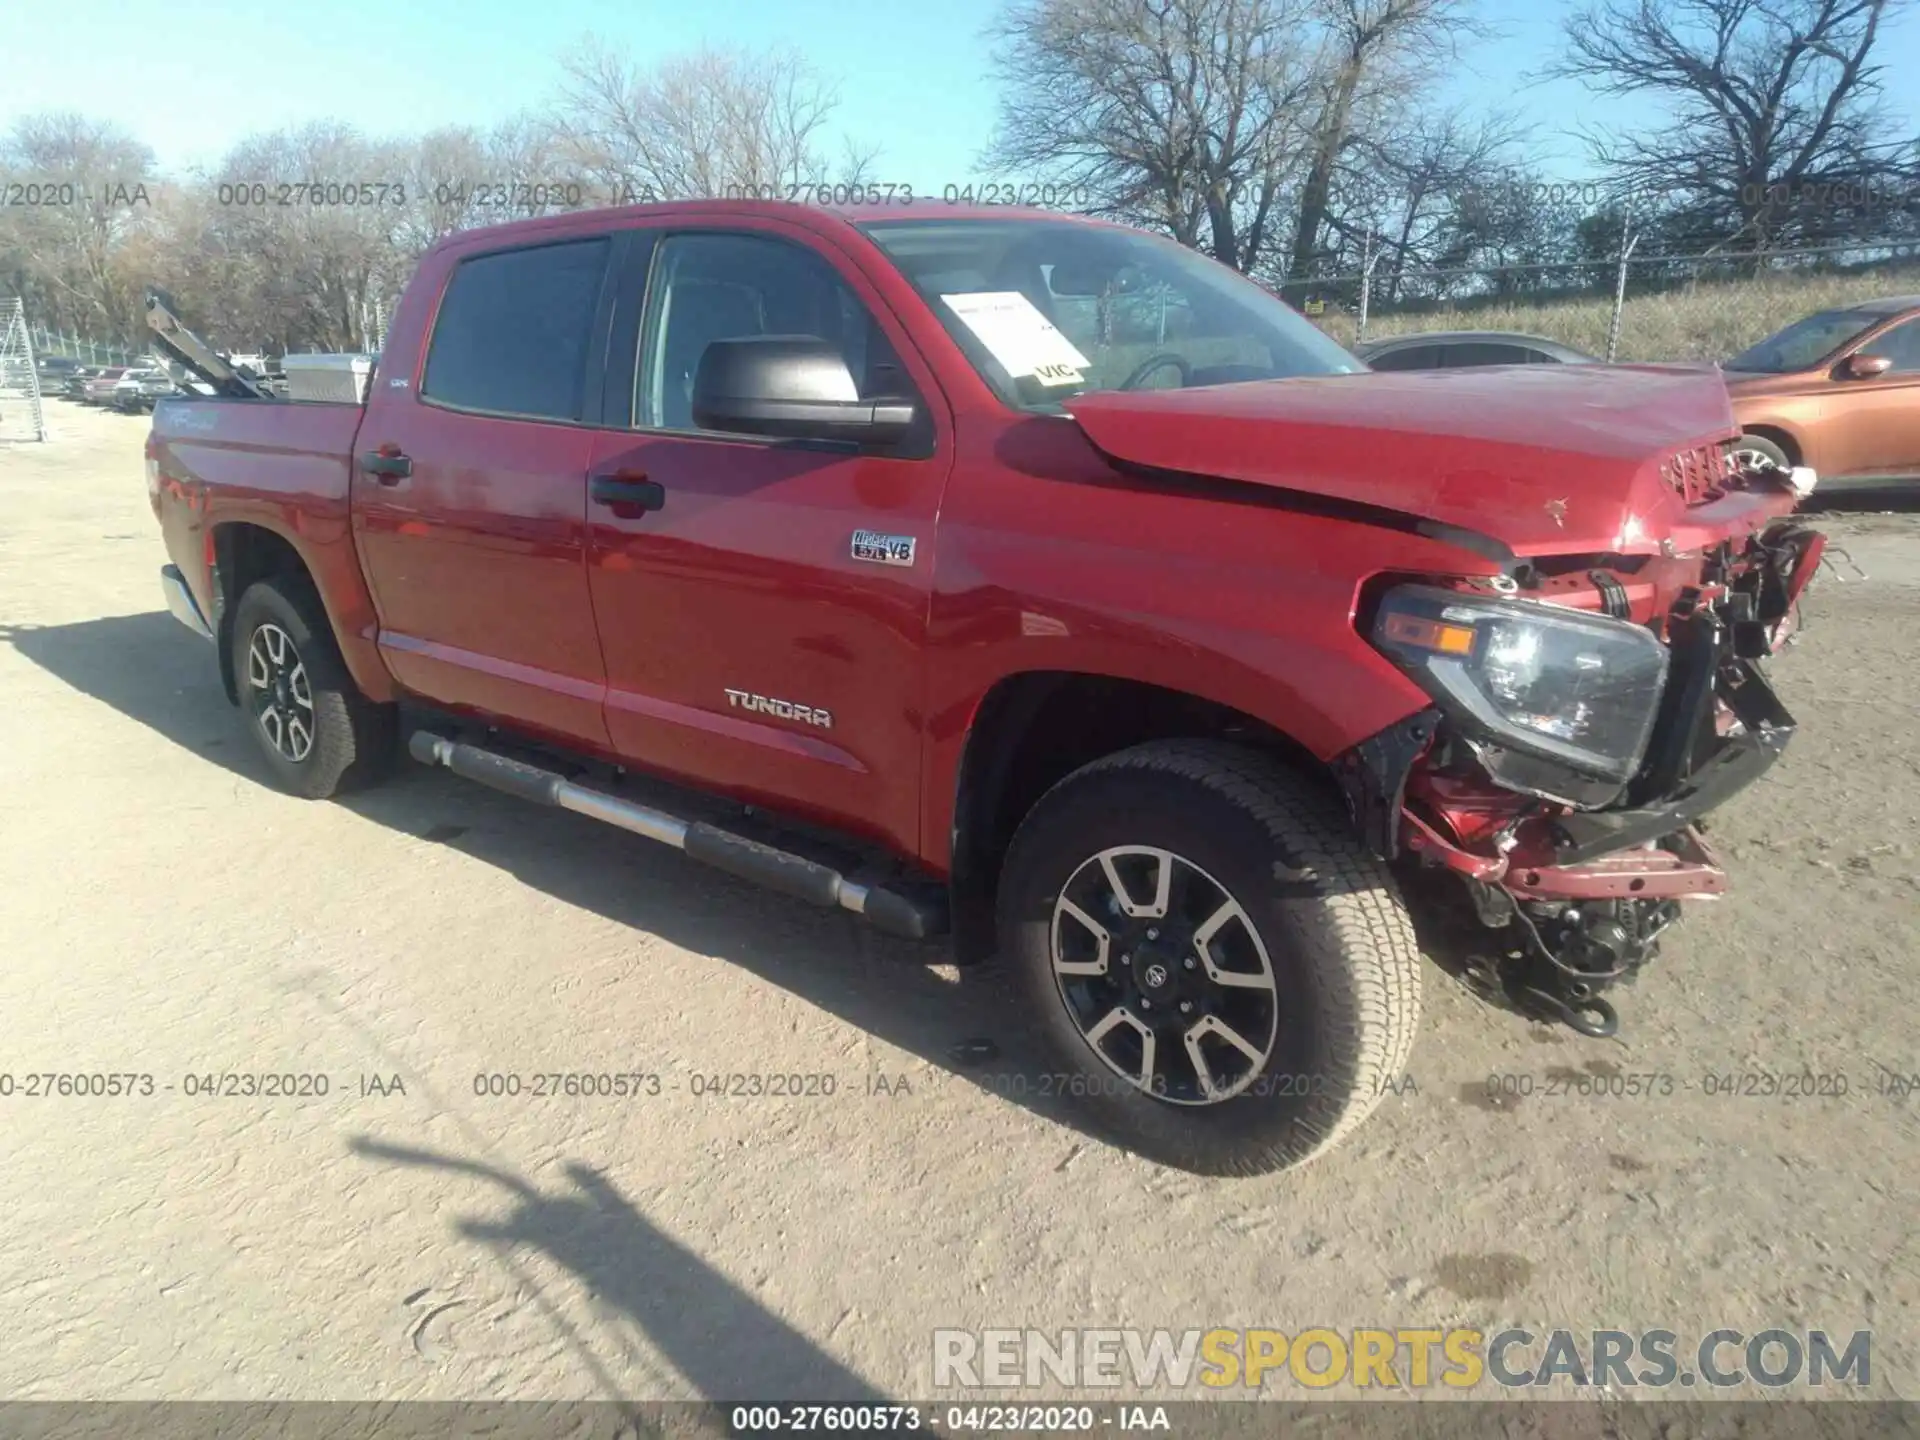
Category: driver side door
[1874,423]
[751,646]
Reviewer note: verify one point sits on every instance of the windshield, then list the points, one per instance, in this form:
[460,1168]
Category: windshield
[1804,343]
[1047,309]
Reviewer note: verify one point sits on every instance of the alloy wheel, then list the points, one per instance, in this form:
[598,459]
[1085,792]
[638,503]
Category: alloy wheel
[1738,460]
[281,693]
[1164,975]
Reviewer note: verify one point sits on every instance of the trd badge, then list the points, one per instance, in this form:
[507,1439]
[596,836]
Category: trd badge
[878,549]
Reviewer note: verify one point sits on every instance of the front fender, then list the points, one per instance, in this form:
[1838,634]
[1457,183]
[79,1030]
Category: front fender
[1269,634]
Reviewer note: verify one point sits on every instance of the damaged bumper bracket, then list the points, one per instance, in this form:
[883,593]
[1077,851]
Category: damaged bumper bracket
[1373,775]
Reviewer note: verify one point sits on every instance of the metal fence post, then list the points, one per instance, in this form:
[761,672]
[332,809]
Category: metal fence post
[1367,257]
[1619,297]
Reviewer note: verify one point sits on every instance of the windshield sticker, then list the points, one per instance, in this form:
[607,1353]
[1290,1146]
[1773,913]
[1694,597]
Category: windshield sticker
[1019,336]
[1057,375]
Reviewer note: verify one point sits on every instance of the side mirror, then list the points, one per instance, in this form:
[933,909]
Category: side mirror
[1865,367]
[794,386]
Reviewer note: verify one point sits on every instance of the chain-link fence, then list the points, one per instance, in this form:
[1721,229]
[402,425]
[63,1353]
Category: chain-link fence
[74,346]
[377,315]
[1632,307]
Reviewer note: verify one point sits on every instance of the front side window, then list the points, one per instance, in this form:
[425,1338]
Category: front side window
[514,331]
[725,286]
[1048,309]
[1802,344]
[1900,345]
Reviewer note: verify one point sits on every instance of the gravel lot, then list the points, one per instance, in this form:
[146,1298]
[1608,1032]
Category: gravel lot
[165,913]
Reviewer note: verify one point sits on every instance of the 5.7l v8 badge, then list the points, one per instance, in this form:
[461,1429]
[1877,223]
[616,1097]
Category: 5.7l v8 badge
[880,549]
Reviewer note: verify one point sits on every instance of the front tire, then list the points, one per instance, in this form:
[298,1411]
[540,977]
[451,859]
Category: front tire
[1756,451]
[319,734]
[1215,962]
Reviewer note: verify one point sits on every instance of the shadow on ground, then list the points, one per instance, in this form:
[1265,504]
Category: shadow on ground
[152,670]
[716,1336]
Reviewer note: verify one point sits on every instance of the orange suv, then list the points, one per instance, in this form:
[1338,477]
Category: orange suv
[1839,390]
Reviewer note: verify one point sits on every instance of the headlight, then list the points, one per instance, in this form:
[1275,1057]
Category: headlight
[1548,682]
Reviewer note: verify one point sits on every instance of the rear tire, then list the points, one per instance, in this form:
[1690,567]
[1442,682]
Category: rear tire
[1267,887]
[319,734]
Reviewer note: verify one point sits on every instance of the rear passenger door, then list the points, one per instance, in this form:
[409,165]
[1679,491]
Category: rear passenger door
[471,523]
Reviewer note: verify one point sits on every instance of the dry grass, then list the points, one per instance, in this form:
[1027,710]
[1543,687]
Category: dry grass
[1707,321]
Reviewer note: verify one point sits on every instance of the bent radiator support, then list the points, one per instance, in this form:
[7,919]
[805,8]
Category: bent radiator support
[910,917]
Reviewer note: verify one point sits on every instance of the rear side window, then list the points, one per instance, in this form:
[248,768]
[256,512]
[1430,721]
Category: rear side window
[1479,352]
[514,331]
[1413,357]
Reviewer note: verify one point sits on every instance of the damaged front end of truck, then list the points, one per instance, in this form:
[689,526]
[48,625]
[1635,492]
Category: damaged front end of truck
[1594,678]
[1589,711]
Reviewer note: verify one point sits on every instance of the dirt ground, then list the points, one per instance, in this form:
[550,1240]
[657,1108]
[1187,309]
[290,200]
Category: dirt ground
[164,913]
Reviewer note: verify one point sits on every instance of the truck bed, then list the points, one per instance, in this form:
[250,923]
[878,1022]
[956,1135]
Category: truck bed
[283,465]
[259,447]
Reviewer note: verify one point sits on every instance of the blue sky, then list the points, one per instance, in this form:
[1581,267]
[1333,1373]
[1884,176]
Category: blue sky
[191,77]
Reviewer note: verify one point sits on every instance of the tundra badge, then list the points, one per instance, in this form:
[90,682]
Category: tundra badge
[785,709]
[882,549]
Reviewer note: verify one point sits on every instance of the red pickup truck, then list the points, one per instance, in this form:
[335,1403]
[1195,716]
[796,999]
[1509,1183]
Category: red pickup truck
[1115,620]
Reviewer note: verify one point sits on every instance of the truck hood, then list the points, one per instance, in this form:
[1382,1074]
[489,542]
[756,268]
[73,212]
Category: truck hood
[1542,458]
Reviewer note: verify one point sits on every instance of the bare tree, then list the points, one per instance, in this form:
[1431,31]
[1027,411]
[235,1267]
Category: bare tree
[1178,114]
[86,187]
[1409,184]
[1770,103]
[461,177]
[295,239]
[1375,54]
[702,124]
[309,228]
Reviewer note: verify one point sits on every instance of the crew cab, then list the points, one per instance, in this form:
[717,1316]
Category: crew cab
[1056,589]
